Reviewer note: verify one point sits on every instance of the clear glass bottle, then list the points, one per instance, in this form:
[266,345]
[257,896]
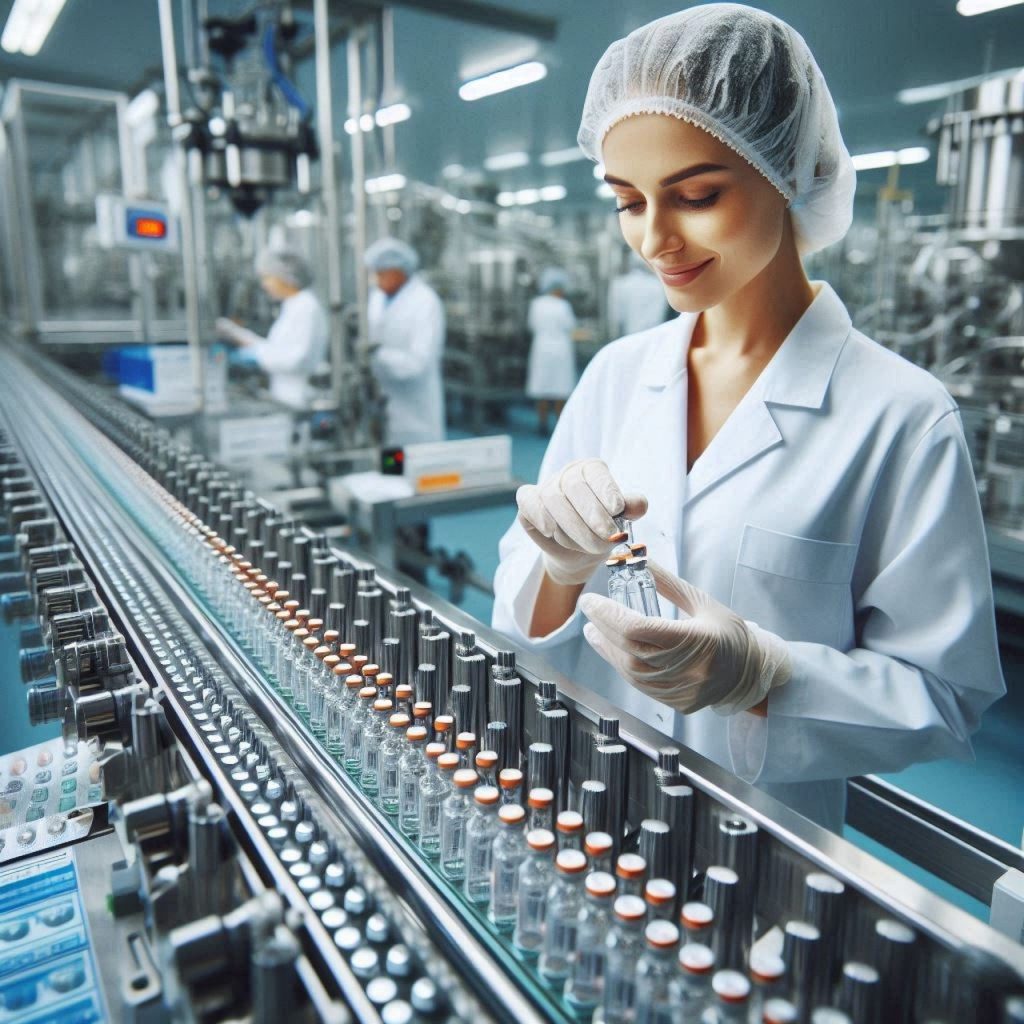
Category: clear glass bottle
[655,971]
[536,874]
[767,972]
[598,847]
[691,987]
[403,699]
[660,897]
[782,1011]
[646,587]
[337,703]
[541,802]
[454,817]
[561,919]
[622,587]
[465,747]
[731,1002]
[434,790]
[391,750]
[507,856]
[303,669]
[481,831]
[630,869]
[292,655]
[585,983]
[412,768]
[355,727]
[444,731]
[486,767]
[698,921]
[510,782]
[285,645]
[319,682]
[622,951]
[569,829]
[376,726]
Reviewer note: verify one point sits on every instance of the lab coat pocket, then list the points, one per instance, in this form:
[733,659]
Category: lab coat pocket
[796,587]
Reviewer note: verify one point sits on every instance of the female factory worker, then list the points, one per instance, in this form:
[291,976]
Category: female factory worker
[407,327]
[832,612]
[297,342]
[551,368]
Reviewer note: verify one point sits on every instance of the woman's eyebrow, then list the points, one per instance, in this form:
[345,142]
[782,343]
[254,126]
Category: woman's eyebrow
[672,179]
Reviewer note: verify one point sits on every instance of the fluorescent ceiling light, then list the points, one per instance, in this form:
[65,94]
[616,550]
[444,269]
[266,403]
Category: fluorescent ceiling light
[453,171]
[501,81]
[891,157]
[29,24]
[531,196]
[463,206]
[562,156]
[393,114]
[968,8]
[385,183]
[943,90]
[506,161]
[605,191]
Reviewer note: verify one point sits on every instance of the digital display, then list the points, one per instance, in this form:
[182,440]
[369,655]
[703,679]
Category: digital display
[146,225]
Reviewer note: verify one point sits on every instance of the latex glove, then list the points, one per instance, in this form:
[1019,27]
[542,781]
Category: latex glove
[569,517]
[230,331]
[709,658]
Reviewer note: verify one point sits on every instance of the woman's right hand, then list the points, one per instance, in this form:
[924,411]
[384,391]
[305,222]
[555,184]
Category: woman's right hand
[569,517]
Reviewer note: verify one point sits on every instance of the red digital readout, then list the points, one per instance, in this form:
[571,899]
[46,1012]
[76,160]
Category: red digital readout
[150,227]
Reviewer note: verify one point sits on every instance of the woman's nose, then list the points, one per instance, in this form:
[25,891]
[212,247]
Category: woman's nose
[661,235]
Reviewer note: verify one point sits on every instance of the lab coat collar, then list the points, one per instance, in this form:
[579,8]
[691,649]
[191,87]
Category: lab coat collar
[800,372]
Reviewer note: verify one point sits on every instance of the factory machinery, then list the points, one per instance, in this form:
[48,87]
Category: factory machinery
[254,703]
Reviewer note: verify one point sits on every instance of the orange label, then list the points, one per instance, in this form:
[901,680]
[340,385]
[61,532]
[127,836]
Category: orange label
[438,481]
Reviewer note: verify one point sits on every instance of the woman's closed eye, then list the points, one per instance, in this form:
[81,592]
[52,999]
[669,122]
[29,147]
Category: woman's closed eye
[690,203]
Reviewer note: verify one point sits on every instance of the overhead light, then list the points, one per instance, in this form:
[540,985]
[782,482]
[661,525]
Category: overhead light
[385,183]
[968,8]
[502,81]
[29,24]
[393,114]
[943,90]
[453,171]
[556,157]
[890,158]
[527,196]
[599,172]
[605,191]
[463,206]
[303,219]
[551,193]
[449,202]
[507,161]
[506,199]
[142,108]
[531,196]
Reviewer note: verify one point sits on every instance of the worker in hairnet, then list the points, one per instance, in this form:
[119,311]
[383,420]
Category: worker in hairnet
[407,325]
[296,344]
[805,495]
[551,367]
[636,299]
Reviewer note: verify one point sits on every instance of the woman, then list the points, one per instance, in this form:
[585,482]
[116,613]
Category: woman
[551,369]
[296,344]
[807,495]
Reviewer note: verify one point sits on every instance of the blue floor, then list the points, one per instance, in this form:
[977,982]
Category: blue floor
[988,793]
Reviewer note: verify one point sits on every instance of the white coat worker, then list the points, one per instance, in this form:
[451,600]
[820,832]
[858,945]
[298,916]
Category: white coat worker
[296,344]
[551,367]
[807,496]
[636,299]
[406,320]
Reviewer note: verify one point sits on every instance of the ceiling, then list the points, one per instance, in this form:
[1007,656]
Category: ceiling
[867,50]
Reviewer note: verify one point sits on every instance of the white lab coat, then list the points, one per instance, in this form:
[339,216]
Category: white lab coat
[551,369]
[409,328]
[836,507]
[636,301]
[293,349]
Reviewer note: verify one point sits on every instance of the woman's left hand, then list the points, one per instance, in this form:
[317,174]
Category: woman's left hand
[708,658]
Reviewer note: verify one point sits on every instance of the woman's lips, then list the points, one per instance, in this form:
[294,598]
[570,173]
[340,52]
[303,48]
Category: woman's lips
[684,275]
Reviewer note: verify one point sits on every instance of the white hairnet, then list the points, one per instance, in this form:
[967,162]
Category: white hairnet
[748,79]
[286,264]
[553,279]
[392,254]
